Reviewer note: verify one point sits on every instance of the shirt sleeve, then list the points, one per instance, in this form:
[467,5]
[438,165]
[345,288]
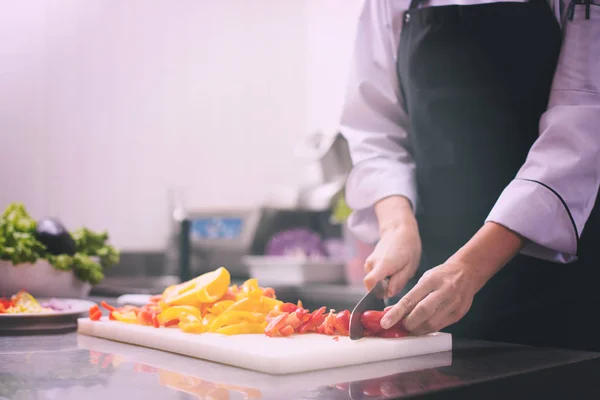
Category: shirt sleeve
[374,122]
[554,192]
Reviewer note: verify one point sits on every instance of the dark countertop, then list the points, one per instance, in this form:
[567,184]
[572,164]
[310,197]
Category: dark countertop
[71,366]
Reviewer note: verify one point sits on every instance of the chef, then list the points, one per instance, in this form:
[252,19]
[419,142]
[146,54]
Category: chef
[474,129]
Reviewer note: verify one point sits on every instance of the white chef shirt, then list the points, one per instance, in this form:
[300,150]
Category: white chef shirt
[552,195]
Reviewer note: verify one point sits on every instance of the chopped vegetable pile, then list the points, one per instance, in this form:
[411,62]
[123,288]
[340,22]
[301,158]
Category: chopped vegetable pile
[25,241]
[209,304]
[22,303]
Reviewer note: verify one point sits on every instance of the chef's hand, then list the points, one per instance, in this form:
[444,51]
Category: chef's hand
[445,293]
[442,296]
[398,252]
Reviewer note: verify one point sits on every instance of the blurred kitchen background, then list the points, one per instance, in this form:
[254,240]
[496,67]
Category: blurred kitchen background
[198,133]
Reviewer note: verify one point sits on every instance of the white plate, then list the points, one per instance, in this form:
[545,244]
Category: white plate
[49,321]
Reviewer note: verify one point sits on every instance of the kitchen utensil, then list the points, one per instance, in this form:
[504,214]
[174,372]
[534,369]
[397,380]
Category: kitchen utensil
[72,309]
[295,271]
[373,300]
[276,356]
[226,375]
[41,280]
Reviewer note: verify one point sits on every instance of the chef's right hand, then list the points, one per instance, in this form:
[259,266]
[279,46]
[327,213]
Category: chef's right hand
[398,252]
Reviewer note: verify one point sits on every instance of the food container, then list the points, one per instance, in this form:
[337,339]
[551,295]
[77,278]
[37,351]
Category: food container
[293,271]
[40,280]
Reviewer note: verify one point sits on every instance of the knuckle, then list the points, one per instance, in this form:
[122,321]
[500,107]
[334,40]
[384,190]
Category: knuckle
[407,302]
[422,312]
[429,274]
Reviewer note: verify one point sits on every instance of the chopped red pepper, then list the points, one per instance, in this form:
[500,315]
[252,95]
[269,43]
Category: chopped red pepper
[96,315]
[171,322]
[287,331]
[288,307]
[107,306]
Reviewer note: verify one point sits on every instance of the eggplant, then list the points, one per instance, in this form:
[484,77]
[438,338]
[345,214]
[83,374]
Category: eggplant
[57,239]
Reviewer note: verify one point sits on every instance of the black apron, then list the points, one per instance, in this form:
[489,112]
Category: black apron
[476,80]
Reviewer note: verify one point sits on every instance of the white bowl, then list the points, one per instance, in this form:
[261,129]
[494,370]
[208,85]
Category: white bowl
[41,280]
[294,271]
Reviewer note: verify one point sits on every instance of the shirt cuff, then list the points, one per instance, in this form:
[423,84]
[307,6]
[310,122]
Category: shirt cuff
[373,180]
[537,213]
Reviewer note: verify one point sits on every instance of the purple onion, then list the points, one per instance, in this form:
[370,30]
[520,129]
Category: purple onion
[56,305]
[296,242]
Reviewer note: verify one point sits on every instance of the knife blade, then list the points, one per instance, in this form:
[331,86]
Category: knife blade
[373,300]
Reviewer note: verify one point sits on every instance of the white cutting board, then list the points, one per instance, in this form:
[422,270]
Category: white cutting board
[277,356]
[233,376]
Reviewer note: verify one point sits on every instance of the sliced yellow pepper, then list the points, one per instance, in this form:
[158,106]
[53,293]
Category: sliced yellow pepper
[208,319]
[220,306]
[247,287]
[207,288]
[235,317]
[162,305]
[245,304]
[269,304]
[127,317]
[191,324]
[177,312]
[243,328]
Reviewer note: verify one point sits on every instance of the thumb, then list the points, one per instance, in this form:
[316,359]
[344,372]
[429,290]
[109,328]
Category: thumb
[381,270]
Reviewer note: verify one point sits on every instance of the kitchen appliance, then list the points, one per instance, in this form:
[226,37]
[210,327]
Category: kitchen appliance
[271,355]
[211,238]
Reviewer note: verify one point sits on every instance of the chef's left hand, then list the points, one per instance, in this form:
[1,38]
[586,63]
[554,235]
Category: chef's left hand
[440,298]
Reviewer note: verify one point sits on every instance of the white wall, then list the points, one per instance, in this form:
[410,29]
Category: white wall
[329,42]
[106,105]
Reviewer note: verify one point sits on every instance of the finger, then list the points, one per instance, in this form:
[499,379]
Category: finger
[433,304]
[398,281]
[407,303]
[369,263]
[381,270]
[439,321]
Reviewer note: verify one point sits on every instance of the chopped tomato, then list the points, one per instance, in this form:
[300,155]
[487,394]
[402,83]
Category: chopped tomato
[144,317]
[336,338]
[396,331]
[274,327]
[302,314]
[288,307]
[371,321]
[328,325]
[287,331]
[269,292]
[342,323]
[293,321]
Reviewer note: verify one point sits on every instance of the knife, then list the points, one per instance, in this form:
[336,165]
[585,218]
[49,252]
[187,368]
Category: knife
[374,300]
